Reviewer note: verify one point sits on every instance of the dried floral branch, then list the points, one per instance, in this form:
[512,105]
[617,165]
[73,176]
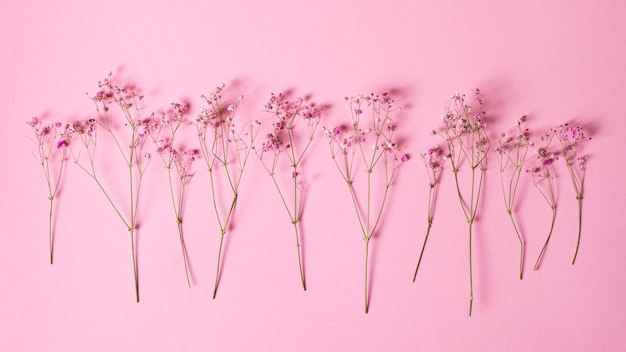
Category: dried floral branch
[132,152]
[225,145]
[381,154]
[52,142]
[163,133]
[292,135]
[468,142]
[433,161]
[512,155]
[570,139]
[543,180]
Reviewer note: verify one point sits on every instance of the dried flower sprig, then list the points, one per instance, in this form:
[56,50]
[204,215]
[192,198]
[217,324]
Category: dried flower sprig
[225,145]
[433,161]
[52,142]
[468,142]
[543,180]
[130,145]
[512,154]
[163,131]
[569,139]
[380,154]
[292,135]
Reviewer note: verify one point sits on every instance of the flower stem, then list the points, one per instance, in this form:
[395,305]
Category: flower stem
[178,208]
[367,301]
[295,225]
[132,246]
[580,218]
[419,261]
[296,211]
[521,247]
[184,249]
[545,245]
[219,260]
[50,244]
[471,298]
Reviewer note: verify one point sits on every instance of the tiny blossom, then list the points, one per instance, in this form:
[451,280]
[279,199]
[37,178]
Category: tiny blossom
[272,143]
[433,158]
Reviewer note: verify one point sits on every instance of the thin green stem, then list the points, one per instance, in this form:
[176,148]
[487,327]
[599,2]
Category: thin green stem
[432,193]
[133,213]
[545,245]
[580,218]
[215,208]
[419,261]
[135,274]
[50,230]
[184,249]
[509,203]
[295,225]
[106,194]
[219,261]
[296,219]
[521,246]
[458,190]
[369,196]
[367,302]
[282,197]
[471,298]
[356,208]
[177,213]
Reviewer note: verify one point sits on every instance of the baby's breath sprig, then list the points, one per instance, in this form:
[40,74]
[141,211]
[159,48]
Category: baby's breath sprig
[433,161]
[512,154]
[163,131]
[131,148]
[52,141]
[570,138]
[465,133]
[225,144]
[368,145]
[293,132]
[544,181]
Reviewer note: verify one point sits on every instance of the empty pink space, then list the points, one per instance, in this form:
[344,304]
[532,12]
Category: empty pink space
[552,61]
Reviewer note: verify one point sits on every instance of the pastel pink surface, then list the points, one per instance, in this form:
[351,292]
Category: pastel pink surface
[553,62]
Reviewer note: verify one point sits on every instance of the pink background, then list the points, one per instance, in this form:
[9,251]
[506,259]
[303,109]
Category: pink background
[554,61]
